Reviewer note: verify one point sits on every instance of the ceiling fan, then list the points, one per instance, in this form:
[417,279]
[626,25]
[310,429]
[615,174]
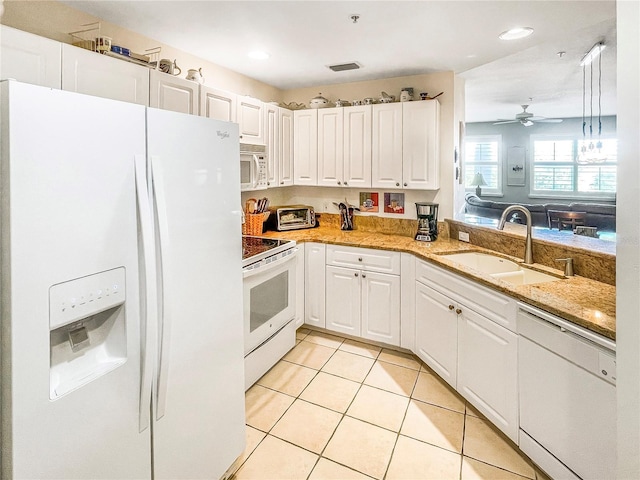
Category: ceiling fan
[527,118]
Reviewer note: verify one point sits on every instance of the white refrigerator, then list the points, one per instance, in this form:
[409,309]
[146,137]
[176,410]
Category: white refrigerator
[121,290]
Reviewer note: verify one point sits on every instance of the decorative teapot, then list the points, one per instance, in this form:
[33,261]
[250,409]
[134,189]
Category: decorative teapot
[195,75]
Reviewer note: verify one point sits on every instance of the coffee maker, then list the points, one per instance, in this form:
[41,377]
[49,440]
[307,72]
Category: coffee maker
[427,221]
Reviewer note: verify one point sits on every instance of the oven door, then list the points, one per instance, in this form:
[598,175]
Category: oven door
[269,300]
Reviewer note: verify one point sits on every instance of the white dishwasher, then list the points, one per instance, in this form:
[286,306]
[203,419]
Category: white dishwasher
[567,390]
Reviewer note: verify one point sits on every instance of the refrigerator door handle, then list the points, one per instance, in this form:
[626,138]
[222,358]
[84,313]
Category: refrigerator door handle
[164,314]
[149,318]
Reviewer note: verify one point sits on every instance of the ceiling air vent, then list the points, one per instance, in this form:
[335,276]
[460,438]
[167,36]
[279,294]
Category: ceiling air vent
[344,66]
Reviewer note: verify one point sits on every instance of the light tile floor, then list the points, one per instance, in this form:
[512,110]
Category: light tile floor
[335,408]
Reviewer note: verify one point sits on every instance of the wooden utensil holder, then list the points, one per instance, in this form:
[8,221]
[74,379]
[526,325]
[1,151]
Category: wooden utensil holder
[253,223]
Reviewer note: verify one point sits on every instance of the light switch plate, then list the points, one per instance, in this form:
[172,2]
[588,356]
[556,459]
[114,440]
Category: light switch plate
[463,236]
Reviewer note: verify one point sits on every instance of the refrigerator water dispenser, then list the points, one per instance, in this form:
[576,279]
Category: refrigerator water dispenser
[87,330]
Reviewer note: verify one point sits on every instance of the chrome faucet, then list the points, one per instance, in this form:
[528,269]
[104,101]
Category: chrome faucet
[528,247]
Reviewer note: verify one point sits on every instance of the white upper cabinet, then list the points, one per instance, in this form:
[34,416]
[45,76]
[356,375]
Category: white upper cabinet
[420,140]
[357,146]
[272,142]
[386,163]
[29,58]
[84,71]
[285,167]
[330,149]
[172,93]
[217,104]
[305,150]
[250,117]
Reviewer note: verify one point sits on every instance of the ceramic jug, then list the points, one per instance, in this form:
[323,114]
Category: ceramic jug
[195,75]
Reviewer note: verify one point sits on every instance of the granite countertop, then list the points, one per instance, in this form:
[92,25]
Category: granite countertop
[583,301]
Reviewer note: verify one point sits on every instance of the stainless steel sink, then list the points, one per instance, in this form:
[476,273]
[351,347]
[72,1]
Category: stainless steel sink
[500,268]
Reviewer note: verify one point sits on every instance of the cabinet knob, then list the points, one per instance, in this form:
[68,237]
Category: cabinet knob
[451,307]
[397,184]
[364,276]
[345,184]
[282,182]
[268,183]
[339,182]
[405,184]
[355,274]
[359,259]
[458,311]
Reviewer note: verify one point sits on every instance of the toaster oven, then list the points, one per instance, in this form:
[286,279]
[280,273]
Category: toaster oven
[291,217]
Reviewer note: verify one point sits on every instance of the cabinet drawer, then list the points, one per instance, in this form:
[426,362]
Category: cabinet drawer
[381,261]
[499,308]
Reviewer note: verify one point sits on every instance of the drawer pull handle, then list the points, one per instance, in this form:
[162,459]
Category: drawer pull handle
[458,311]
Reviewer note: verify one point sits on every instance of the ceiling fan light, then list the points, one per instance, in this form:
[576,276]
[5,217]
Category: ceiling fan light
[516,33]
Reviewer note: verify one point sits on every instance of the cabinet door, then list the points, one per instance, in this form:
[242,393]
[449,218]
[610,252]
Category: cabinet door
[88,72]
[272,142]
[217,104]
[305,149]
[386,152]
[330,149]
[285,168]
[314,285]
[343,300]
[299,318]
[437,332]
[29,58]
[357,146]
[251,120]
[172,93]
[420,140]
[380,307]
[488,369]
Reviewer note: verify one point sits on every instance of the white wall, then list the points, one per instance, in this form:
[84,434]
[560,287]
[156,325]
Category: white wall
[514,134]
[628,240]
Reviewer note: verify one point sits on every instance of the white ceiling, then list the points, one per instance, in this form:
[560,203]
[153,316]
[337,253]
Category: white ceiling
[394,38]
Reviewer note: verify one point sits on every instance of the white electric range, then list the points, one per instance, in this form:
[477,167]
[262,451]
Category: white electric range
[269,270]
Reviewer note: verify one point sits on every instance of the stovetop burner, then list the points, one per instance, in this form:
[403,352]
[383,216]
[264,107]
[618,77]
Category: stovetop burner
[257,248]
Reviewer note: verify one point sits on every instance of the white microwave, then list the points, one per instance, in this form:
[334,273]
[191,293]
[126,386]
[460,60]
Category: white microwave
[253,167]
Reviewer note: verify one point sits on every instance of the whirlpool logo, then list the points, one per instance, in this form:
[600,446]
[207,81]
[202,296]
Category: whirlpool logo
[223,134]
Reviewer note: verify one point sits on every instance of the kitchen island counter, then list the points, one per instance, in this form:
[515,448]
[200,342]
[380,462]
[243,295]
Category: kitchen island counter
[583,301]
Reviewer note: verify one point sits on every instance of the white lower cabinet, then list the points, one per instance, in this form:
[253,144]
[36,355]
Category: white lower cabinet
[363,293]
[437,332]
[314,285]
[464,332]
[299,318]
[487,369]
[343,310]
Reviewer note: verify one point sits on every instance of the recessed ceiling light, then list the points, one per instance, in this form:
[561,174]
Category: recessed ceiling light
[516,33]
[258,55]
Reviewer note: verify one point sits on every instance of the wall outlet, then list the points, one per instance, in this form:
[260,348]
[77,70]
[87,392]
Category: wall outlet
[463,236]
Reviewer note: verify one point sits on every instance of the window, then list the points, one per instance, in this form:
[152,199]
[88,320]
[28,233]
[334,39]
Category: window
[483,155]
[556,173]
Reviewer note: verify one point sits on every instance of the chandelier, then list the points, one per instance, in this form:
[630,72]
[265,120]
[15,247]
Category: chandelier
[590,152]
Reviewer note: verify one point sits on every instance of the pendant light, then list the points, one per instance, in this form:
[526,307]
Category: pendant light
[592,152]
